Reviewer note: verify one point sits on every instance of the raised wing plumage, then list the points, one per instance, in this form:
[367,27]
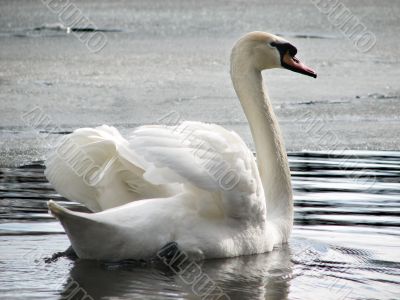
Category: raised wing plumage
[101,169]
[95,167]
[207,159]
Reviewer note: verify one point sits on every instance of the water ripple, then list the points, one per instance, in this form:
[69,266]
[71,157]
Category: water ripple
[344,244]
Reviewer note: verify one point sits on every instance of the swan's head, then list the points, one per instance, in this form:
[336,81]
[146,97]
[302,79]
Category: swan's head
[263,51]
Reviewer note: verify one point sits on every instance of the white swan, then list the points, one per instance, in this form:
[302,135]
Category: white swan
[195,184]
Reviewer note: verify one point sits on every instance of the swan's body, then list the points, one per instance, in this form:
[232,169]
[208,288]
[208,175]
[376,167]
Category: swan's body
[196,184]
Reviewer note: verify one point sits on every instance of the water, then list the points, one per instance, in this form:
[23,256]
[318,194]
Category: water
[344,245]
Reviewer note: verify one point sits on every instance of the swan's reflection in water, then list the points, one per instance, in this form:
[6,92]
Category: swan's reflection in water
[264,276]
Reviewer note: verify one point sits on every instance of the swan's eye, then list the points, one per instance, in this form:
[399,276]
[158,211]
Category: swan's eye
[272,45]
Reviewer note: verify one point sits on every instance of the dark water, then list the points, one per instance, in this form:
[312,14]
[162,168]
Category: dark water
[345,243]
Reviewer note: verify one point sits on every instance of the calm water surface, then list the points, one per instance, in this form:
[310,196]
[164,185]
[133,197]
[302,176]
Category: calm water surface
[345,243]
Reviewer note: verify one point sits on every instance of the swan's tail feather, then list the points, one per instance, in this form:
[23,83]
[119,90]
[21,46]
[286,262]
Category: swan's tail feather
[57,210]
[85,233]
[68,218]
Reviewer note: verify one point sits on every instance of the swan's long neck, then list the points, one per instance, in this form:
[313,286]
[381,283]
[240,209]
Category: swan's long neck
[272,160]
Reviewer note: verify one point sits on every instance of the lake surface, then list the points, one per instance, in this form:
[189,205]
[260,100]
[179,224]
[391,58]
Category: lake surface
[345,243]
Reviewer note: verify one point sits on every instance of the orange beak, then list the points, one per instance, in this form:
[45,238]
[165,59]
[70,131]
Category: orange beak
[292,63]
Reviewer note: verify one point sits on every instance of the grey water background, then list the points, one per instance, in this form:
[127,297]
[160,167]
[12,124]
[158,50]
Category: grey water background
[167,57]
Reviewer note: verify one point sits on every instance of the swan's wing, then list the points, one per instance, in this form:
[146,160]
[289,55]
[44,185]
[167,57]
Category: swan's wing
[212,163]
[95,167]
[100,169]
